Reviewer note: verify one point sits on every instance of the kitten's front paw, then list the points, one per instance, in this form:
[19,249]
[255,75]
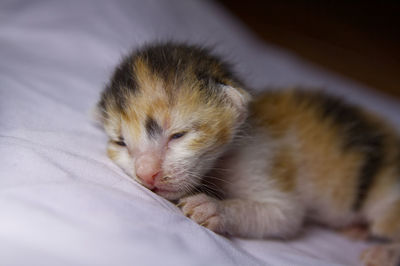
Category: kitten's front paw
[203,210]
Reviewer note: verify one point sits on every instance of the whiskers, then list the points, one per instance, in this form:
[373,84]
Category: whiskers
[207,186]
[191,179]
[211,189]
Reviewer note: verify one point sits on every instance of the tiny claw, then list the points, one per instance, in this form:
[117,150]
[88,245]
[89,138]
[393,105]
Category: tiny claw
[180,204]
[205,224]
[188,214]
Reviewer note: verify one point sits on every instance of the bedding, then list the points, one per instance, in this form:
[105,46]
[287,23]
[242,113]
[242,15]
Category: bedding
[62,201]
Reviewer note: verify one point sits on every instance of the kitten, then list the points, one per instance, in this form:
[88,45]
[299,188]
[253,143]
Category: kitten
[182,124]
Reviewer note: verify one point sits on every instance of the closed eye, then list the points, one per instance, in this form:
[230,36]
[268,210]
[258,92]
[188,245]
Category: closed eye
[120,142]
[177,135]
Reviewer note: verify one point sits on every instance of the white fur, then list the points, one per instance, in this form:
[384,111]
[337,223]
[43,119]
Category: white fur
[254,206]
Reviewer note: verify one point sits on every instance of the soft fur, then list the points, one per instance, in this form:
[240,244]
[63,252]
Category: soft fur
[250,168]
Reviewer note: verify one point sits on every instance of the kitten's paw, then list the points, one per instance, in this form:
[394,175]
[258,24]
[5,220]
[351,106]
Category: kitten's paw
[203,210]
[381,255]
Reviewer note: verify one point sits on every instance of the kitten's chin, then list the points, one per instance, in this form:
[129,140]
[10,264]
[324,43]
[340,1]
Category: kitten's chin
[169,194]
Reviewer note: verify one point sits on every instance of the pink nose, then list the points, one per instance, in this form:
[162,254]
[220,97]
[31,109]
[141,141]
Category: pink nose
[147,168]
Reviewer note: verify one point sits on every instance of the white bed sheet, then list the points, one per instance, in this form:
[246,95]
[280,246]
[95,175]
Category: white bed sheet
[62,201]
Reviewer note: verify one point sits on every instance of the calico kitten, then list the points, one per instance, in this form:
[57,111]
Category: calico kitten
[182,125]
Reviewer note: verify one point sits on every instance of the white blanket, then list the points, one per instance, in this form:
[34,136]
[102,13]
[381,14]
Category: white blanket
[62,201]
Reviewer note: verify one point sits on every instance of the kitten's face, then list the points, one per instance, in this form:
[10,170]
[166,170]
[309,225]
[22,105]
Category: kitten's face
[168,129]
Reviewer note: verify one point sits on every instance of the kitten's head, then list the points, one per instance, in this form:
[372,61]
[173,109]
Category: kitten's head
[170,111]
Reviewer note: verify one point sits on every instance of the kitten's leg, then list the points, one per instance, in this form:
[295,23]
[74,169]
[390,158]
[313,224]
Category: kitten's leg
[245,218]
[386,226]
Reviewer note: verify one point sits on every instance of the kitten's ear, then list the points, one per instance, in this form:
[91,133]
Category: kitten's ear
[240,99]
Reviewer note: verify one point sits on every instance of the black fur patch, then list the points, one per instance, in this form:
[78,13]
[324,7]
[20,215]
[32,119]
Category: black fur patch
[121,84]
[175,60]
[124,76]
[152,128]
[372,164]
[358,133]
[123,81]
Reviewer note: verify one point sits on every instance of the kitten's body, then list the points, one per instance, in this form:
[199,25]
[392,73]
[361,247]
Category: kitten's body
[176,117]
[329,169]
